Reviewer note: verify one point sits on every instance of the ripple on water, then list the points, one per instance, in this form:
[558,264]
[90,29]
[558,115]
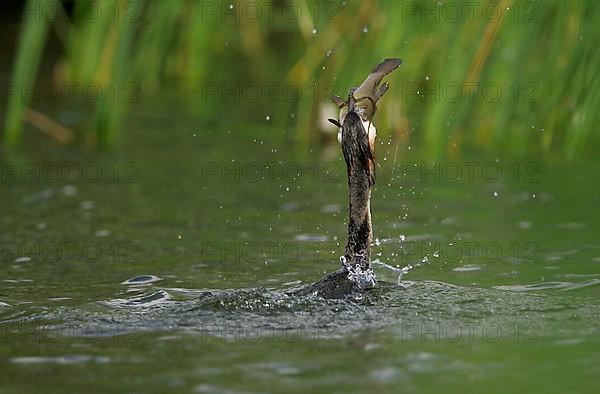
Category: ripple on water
[387,374]
[467,268]
[311,238]
[141,280]
[153,299]
[61,360]
[238,314]
[564,286]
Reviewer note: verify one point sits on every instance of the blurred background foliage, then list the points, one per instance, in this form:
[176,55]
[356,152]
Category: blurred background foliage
[508,75]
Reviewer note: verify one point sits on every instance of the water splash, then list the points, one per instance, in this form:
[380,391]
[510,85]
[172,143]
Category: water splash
[396,271]
[364,278]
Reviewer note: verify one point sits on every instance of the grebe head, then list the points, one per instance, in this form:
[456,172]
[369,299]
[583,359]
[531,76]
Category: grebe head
[363,99]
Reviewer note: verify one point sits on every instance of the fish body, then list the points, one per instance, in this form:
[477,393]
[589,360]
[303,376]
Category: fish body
[363,99]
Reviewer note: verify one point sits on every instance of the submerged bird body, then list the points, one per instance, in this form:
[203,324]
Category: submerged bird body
[357,137]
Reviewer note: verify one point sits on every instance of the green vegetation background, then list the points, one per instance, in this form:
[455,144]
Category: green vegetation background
[518,76]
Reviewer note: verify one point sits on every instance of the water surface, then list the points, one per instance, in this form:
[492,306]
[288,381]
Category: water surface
[166,266]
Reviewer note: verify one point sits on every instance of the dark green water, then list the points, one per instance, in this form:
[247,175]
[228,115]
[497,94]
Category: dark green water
[500,292]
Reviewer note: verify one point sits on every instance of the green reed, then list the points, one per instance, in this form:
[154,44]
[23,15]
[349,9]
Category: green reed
[33,37]
[523,81]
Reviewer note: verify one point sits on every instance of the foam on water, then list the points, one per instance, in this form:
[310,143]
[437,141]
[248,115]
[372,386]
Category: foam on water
[234,314]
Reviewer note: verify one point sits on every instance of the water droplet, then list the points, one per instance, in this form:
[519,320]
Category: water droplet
[69,190]
[525,225]
[87,205]
[102,233]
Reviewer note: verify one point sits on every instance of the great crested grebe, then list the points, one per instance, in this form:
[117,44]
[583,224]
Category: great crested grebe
[357,137]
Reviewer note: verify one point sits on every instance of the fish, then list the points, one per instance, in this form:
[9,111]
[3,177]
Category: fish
[363,99]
